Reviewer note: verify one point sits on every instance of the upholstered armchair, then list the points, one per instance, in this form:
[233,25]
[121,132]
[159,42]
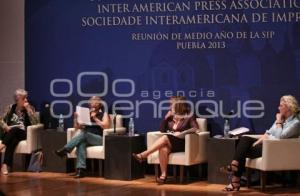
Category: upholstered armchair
[97,152]
[277,155]
[195,149]
[32,141]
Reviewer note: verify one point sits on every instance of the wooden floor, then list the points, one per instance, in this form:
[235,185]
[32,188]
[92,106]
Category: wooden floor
[25,183]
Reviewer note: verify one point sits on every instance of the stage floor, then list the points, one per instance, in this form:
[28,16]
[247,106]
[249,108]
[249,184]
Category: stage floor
[25,183]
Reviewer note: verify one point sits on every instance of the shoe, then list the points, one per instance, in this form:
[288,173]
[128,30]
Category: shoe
[229,169]
[233,186]
[4,169]
[161,180]
[73,174]
[138,157]
[80,173]
[61,152]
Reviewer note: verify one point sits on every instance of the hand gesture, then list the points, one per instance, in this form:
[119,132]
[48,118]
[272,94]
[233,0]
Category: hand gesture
[93,115]
[169,114]
[279,118]
[7,129]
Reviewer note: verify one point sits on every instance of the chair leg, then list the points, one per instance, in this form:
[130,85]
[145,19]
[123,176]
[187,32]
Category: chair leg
[175,173]
[249,174]
[298,179]
[188,174]
[25,161]
[263,176]
[181,171]
[156,171]
[101,167]
[202,171]
[92,166]
[283,178]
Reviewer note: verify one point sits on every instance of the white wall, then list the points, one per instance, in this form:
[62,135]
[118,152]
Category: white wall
[12,70]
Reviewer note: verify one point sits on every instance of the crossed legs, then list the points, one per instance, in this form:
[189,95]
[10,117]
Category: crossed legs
[163,146]
[236,168]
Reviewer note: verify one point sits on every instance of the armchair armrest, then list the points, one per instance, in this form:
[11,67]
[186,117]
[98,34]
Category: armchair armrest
[71,132]
[152,137]
[119,130]
[281,154]
[33,133]
[195,147]
[256,136]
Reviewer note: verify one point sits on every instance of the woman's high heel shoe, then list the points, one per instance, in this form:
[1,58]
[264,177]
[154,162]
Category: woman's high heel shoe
[229,169]
[233,186]
[4,169]
[138,157]
[161,179]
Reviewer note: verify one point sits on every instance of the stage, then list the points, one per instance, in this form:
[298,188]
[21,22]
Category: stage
[25,183]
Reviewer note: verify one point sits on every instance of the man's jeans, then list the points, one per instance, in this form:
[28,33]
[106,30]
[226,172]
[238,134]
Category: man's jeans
[81,141]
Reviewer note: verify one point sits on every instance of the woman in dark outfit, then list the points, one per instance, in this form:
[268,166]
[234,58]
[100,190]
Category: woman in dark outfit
[176,122]
[14,124]
[286,125]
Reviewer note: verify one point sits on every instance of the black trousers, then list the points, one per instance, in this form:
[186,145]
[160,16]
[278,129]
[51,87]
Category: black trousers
[11,140]
[246,150]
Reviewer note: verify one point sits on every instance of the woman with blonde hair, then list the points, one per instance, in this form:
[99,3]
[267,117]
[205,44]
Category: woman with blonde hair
[90,135]
[286,125]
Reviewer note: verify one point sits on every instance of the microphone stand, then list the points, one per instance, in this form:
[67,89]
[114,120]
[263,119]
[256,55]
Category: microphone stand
[114,122]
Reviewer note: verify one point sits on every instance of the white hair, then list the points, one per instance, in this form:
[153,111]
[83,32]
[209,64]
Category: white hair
[21,92]
[291,102]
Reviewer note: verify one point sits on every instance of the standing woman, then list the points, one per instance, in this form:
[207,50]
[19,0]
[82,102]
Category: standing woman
[179,120]
[14,124]
[286,125]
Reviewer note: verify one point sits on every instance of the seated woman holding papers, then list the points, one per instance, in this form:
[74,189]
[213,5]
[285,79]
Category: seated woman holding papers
[90,135]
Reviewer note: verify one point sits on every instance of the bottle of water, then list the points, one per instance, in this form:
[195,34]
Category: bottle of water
[226,128]
[131,127]
[61,123]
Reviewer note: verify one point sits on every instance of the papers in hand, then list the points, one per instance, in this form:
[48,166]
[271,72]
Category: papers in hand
[239,131]
[17,126]
[183,133]
[83,115]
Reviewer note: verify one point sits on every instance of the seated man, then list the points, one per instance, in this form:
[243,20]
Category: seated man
[14,125]
[90,135]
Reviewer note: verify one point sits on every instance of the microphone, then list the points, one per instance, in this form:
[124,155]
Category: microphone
[226,117]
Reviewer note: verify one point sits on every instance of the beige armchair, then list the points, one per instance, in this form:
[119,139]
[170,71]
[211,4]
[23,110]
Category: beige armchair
[195,149]
[277,155]
[97,152]
[32,141]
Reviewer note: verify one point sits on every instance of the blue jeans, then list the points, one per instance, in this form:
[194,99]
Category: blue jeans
[81,141]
